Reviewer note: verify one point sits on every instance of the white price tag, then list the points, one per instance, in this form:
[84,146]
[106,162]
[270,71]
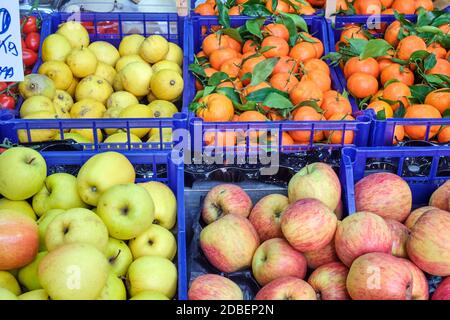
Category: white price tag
[11,65]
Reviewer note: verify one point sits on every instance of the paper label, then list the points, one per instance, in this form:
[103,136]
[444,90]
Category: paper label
[11,65]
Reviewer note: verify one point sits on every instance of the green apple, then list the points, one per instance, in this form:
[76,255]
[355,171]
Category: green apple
[8,282]
[165,203]
[22,173]
[75,271]
[43,223]
[28,275]
[119,256]
[7,295]
[77,225]
[149,295]
[127,210]
[39,294]
[101,172]
[114,289]
[155,241]
[59,192]
[20,206]
[152,273]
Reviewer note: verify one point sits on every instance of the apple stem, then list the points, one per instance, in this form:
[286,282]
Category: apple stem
[117,255]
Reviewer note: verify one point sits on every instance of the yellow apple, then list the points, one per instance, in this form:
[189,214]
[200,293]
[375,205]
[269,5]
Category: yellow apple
[101,172]
[165,203]
[21,206]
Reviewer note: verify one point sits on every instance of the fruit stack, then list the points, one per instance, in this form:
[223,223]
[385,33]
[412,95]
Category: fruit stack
[405,74]
[256,8]
[93,231]
[384,7]
[142,78]
[268,71]
[298,249]
[308,7]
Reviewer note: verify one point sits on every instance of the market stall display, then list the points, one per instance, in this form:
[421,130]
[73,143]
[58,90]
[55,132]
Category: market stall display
[251,150]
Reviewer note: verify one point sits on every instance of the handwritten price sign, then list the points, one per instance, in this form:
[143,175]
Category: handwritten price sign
[11,65]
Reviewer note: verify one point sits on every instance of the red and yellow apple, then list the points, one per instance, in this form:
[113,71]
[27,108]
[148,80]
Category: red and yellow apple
[266,216]
[316,181]
[329,281]
[361,233]
[441,197]
[385,194]
[428,245]
[229,243]
[275,258]
[416,214]
[226,199]
[19,240]
[308,224]
[214,287]
[286,288]
[379,276]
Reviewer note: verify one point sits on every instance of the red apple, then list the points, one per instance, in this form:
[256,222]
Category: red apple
[287,288]
[316,181]
[19,240]
[399,235]
[420,290]
[275,258]
[385,194]
[266,216]
[317,258]
[229,243]
[308,225]
[379,276]
[225,199]
[428,244]
[329,281]
[443,291]
[441,197]
[416,214]
[214,287]
[361,233]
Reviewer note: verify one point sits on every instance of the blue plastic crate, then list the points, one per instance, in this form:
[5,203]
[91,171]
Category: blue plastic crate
[159,166]
[357,163]
[197,126]
[382,131]
[167,25]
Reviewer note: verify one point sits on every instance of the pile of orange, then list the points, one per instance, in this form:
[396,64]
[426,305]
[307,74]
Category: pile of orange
[384,83]
[369,7]
[298,74]
[209,7]
[307,7]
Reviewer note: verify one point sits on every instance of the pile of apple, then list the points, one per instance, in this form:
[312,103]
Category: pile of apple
[383,251]
[80,79]
[94,231]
